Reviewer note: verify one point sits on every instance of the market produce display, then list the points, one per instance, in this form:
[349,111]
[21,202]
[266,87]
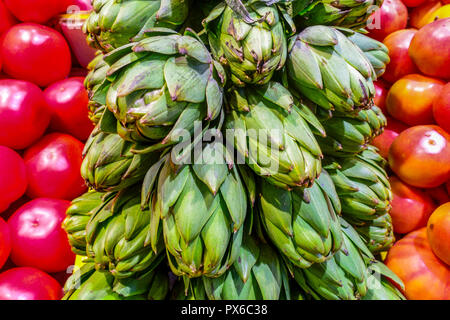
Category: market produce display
[225,150]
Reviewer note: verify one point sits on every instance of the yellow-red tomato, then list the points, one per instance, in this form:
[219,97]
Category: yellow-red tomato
[421,15]
[438,230]
[441,108]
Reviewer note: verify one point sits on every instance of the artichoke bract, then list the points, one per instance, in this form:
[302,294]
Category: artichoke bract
[118,237]
[272,134]
[378,233]
[347,135]
[304,226]
[77,217]
[249,38]
[202,207]
[258,274]
[114,23]
[330,70]
[93,83]
[161,86]
[362,185]
[109,164]
[343,13]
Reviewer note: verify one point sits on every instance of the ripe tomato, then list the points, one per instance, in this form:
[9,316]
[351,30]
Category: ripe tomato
[23,113]
[37,237]
[419,156]
[5,242]
[391,131]
[421,15]
[411,207]
[392,16]
[438,231]
[68,100]
[410,99]
[424,275]
[28,284]
[35,53]
[6,18]
[84,5]
[401,64]
[441,13]
[13,177]
[38,11]
[430,49]
[381,90]
[441,108]
[413,3]
[53,167]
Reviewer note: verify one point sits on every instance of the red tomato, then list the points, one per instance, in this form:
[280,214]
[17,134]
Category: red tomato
[421,15]
[411,207]
[28,284]
[6,18]
[419,156]
[53,167]
[391,131]
[424,275]
[83,5]
[410,99]
[441,108]
[430,49]
[23,113]
[35,53]
[5,242]
[438,231]
[13,177]
[37,237]
[68,99]
[413,3]
[401,64]
[438,194]
[38,11]
[381,90]
[392,16]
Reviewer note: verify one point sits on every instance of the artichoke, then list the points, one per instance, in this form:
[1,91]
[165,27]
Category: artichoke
[109,164]
[258,274]
[303,225]
[270,132]
[330,70]
[194,290]
[378,233]
[202,207]
[383,289]
[249,38]
[115,23]
[118,237]
[362,185]
[93,82]
[344,13]
[160,88]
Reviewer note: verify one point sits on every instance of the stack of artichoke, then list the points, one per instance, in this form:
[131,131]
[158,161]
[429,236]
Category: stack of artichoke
[231,158]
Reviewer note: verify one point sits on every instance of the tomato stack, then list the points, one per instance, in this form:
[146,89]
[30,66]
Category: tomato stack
[414,94]
[44,123]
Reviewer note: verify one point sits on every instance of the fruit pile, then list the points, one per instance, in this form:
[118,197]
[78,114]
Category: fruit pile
[237,149]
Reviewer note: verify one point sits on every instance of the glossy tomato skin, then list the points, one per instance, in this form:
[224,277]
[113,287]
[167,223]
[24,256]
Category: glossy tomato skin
[53,167]
[37,237]
[411,207]
[84,5]
[13,177]
[430,49]
[28,284]
[401,64]
[424,275]
[413,3]
[24,115]
[441,108]
[35,53]
[392,16]
[411,98]
[421,15]
[38,11]
[381,91]
[419,156]
[384,141]
[438,232]
[68,101]
[7,20]
[5,242]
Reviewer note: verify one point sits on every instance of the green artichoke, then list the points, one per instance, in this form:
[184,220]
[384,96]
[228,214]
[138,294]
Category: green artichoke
[304,226]
[160,88]
[109,164]
[93,82]
[193,290]
[270,132]
[249,38]
[344,13]
[202,207]
[258,274]
[362,185]
[378,233]
[330,70]
[118,237]
[383,289]
[115,23]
